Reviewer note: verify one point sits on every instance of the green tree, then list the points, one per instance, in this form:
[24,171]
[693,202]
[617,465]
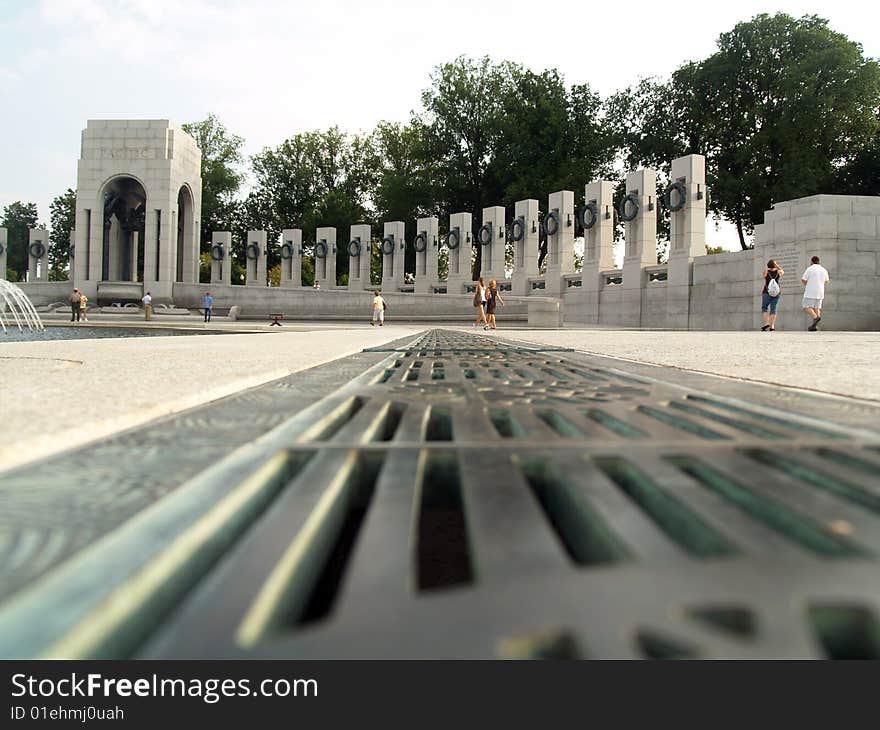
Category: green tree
[779,108]
[312,179]
[221,175]
[18,219]
[62,216]
[462,115]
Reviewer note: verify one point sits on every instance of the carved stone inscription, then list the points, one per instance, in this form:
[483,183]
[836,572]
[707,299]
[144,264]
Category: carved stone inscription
[791,261]
[125,153]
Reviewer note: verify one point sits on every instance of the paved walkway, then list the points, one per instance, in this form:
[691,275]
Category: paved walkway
[60,394]
[843,363]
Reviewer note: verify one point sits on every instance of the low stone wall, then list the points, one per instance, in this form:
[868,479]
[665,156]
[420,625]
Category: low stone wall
[725,294]
[308,303]
[42,293]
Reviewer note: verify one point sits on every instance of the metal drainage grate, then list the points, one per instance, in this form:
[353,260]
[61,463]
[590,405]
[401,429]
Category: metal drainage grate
[470,498]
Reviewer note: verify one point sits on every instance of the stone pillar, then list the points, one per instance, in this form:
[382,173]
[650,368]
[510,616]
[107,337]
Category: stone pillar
[491,240]
[359,247]
[325,257]
[255,256]
[221,257]
[459,243]
[426,259]
[135,241]
[38,251]
[598,219]
[560,242]
[393,251]
[525,250]
[160,249]
[641,240]
[71,255]
[291,258]
[3,252]
[687,233]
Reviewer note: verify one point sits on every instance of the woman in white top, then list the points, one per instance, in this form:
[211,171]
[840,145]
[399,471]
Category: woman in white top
[480,302]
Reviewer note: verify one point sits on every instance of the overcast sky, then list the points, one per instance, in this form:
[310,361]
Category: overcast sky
[270,69]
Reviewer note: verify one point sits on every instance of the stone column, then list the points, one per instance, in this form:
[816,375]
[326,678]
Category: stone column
[426,259]
[255,256]
[71,255]
[459,243]
[359,257]
[325,257]
[291,258]
[598,243]
[393,251]
[133,256]
[221,257]
[687,233]
[151,243]
[38,241]
[525,250]
[641,240]
[491,240]
[560,243]
[3,253]
[160,249]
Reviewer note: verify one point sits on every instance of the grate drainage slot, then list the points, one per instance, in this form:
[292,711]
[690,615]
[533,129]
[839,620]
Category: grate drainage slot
[553,644]
[734,620]
[391,416]
[443,556]
[670,419]
[506,425]
[850,461]
[678,522]
[654,646]
[439,426]
[584,535]
[621,428]
[328,426]
[560,424]
[801,530]
[727,421]
[332,558]
[793,425]
[820,480]
[845,631]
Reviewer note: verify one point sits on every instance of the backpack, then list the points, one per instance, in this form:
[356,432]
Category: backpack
[773,288]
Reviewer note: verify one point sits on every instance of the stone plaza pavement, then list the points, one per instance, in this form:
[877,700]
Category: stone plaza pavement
[840,363]
[70,392]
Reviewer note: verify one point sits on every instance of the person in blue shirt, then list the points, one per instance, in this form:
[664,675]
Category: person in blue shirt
[209,302]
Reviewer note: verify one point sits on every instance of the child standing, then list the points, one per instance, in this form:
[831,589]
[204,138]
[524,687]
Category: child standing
[378,309]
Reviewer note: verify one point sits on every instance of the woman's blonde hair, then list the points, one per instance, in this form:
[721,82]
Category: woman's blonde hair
[492,284]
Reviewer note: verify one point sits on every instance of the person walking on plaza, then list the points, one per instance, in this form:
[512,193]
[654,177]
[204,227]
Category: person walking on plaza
[480,303]
[493,299]
[209,303]
[83,307]
[379,308]
[148,306]
[770,295]
[815,279]
[74,306]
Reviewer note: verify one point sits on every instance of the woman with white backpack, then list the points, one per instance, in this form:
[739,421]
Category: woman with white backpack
[770,295]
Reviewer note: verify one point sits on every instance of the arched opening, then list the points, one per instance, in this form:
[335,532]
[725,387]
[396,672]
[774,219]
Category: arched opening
[122,251]
[184,229]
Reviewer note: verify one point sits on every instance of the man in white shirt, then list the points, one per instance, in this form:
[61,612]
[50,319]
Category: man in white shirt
[148,306]
[814,280]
